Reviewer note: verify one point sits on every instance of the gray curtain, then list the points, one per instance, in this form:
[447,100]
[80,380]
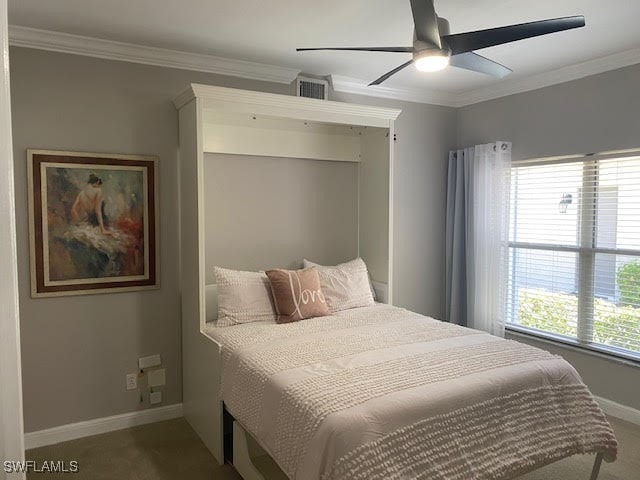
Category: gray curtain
[458,196]
[477,240]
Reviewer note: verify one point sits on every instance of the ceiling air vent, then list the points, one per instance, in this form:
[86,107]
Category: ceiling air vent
[312,88]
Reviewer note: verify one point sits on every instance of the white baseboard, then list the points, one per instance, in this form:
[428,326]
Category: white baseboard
[618,410]
[72,431]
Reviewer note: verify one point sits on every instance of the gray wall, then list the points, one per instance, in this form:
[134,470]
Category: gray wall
[284,209]
[595,114]
[77,350]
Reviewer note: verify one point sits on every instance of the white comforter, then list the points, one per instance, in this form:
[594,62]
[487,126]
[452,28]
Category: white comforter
[384,393]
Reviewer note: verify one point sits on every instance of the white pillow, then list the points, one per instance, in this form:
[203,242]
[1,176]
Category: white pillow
[243,297]
[346,285]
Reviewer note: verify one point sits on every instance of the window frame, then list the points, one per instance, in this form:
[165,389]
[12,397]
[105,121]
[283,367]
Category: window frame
[585,250]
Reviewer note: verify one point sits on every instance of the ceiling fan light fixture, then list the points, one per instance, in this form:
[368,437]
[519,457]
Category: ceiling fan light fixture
[434,47]
[432,61]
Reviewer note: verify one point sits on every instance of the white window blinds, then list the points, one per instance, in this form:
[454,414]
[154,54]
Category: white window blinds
[574,256]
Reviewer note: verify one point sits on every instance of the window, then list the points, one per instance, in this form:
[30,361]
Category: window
[574,251]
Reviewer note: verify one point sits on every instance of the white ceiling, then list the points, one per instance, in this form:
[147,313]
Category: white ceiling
[267,31]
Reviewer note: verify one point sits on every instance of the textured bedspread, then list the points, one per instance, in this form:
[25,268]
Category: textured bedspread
[384,393]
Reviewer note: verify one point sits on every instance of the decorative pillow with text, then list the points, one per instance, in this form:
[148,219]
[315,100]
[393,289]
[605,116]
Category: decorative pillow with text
[297,294]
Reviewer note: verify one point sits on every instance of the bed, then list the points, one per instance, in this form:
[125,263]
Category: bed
[372,392]
[381,392]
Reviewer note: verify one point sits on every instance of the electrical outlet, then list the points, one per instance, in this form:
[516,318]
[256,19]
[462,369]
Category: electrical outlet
[155,398]
[132,381]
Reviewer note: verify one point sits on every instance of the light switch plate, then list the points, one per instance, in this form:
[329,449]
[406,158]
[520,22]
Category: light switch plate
[155,398]
[156,378]
[150,361]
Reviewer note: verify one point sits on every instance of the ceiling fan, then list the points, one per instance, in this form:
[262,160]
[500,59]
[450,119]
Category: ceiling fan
[434,48]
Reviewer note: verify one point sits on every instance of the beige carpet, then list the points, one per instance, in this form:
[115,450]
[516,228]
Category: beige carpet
[171,451]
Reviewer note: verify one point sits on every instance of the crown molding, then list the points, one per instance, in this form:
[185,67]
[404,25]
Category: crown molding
[223,99]
[214,93]
[502,89]
[547,79]
[108,49]
[359,87]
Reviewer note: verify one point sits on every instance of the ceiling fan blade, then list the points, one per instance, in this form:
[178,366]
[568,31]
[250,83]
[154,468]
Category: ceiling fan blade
[466,42]
[478,63]
[361,49]
[378,81]
[426,22]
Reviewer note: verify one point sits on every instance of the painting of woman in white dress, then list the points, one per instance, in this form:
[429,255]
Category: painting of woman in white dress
[96,227]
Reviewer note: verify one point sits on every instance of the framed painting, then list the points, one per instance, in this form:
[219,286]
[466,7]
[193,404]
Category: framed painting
[93,222]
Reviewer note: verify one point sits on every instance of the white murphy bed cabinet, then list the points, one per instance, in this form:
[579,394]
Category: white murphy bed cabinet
[230,121]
